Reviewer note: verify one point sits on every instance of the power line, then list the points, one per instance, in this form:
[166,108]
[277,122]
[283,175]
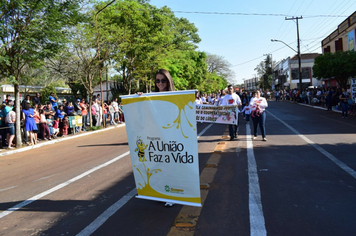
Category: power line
[259,57]
[249,14]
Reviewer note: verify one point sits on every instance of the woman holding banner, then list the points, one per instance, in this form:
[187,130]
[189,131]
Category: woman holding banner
[164,81]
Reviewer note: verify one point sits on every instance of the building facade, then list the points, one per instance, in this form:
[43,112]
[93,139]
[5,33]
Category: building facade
[341,39]
[286,72]
[251,84]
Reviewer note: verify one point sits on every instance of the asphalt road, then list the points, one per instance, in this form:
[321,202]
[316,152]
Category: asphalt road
[302,181]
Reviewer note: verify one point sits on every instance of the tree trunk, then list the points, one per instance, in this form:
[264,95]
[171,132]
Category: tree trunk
[18,117]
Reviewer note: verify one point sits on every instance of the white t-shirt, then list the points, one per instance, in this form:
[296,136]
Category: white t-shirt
[220,100]
[261,102]
[247,110]
[198,101]
[10,117]
[116,106]
[232,99]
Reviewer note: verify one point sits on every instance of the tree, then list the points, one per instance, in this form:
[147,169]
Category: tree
[220,66]
[31,31]
[264,71]
[339,65]
[143,36]
[187,68]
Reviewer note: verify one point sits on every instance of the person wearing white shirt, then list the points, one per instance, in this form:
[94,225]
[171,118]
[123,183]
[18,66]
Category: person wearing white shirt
[232,98]
[203,98]
[222,95]
[258,105]
[198,100]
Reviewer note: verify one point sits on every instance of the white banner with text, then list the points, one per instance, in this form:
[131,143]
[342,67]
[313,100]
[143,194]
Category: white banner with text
[217,114]
[162,137]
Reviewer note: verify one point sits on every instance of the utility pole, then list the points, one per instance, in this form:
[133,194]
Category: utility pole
[99,65]
[299,56]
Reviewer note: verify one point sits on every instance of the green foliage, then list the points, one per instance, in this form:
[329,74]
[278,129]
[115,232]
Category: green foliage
[46,92]
[47,46]
[187,68]
[31,31]
[264,70]
[143,35]
[212,83]
[339,65]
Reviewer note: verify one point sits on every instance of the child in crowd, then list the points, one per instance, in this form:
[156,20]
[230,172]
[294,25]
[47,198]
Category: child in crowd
[55,127]
[247,111]
[65,125]
[50,124]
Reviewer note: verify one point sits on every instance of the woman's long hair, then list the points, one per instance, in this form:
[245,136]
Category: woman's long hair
[170,84]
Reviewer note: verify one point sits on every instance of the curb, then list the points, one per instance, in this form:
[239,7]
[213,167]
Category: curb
[317,107]
[23,149]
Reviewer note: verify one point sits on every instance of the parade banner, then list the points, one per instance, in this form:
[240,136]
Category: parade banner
[217,114]
[162,137]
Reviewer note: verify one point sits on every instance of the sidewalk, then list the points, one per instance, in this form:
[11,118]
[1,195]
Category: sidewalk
[5,152]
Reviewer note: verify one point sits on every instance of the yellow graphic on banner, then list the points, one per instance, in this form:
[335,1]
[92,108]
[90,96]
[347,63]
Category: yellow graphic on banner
[141,150]
[181,102]
[147,190]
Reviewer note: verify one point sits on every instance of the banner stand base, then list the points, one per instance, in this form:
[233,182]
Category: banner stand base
[169,201]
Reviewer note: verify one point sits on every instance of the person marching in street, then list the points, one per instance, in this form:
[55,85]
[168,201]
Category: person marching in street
[246,111]
[163,83]
[232,98]
[258,105]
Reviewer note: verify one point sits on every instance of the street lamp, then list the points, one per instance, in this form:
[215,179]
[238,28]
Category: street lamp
[299,60]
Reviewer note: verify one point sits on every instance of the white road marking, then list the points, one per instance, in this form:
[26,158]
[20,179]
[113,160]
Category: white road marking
[331,157]
[257,220]
[204,130]
[116,206]
[46,177]
[38,196]
[108,213]
[4,189]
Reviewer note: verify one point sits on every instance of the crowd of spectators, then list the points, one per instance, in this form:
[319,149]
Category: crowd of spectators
[48,121]
[332,98]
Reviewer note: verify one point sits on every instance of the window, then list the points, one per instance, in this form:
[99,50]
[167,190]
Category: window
[306,73]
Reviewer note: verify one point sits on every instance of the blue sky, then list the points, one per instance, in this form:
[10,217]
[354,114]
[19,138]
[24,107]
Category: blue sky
[244,39]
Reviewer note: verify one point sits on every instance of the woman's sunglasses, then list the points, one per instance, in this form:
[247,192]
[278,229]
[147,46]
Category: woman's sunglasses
[163,81]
